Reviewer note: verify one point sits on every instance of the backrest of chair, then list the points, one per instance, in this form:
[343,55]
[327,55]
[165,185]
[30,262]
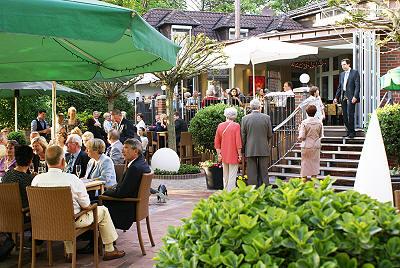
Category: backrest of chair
[150,136]
[186,139]
[142,207]
[11,217]
[119,171]
[52,213]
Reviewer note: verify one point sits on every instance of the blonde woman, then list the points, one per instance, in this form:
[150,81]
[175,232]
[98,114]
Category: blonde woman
[39,146]
[107,124]
[77,131]
[87,136]
[100,166]
[72,121]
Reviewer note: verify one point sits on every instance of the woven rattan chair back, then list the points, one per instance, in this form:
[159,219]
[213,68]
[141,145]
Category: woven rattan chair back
[142,207]
[11,219]
[52,213]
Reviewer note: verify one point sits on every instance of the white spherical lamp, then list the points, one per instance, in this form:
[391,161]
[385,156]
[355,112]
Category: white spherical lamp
[304,78]
[165,159]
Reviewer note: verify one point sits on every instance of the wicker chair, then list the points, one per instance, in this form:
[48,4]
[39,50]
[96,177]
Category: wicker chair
[12,214]
[53,219]
[142,207]
[119,171]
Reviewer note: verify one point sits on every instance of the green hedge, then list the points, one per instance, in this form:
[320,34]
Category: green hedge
[295,225]
[183,169]
[18,136]
[204,125]
[389,120]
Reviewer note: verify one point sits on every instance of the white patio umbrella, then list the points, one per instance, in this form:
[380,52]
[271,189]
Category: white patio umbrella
[255,50]
[19,89]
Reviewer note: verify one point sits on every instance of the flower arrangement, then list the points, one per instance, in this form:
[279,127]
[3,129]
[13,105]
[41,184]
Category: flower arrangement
[210,163]
[243,178]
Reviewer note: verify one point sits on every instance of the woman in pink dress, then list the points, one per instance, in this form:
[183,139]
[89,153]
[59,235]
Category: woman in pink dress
[228,144]
[310,134]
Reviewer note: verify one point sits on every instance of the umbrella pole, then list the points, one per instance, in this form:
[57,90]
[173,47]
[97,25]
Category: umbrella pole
[16,94]
[254,82]
[134,86]
[233,77]
[183,116]
[53,110]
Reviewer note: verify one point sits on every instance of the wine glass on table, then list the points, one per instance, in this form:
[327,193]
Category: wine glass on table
[78,170]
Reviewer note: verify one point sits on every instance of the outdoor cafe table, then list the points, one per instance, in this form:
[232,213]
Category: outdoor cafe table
[95,185]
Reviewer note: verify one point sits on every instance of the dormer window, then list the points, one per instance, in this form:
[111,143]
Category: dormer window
[180,30]
[243,33]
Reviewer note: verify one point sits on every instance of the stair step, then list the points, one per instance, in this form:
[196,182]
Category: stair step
[332,152]
[339,145]
[338,169]
[294,175]
[342,188]
[355,161]
[342,138]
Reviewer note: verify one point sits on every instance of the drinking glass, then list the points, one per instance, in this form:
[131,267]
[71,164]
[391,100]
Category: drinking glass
[78,170]
[40,170]
[31,168]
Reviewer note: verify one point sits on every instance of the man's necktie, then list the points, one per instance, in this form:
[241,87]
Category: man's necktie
[70,164]
[108,151]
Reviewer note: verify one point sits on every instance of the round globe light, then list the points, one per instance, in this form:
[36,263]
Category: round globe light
[304,78]
[137,94]
[165,159]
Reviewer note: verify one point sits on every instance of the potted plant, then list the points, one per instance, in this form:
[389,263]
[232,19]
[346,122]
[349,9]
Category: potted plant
[203,127]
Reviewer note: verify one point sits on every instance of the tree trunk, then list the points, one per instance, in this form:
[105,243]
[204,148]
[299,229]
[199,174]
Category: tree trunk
[170,114]
[110,104]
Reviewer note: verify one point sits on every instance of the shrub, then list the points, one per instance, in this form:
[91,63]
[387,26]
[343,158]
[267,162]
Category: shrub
[293,225]
[389,120]
[19,136]
[183,169]
[204,125]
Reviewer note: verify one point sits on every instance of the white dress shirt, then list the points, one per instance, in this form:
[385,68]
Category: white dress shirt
[56,178]
[346,77]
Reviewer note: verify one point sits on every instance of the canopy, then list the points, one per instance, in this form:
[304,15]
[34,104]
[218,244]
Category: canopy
[9,90]
[255,50]
[391,80]
[77,40]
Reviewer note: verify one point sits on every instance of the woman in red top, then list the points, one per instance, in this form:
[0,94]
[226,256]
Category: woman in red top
[228,144]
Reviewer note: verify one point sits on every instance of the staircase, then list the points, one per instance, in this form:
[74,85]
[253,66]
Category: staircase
[339,158]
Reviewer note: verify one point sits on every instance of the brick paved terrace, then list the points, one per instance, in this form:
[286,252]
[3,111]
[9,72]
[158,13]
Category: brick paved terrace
[183,195]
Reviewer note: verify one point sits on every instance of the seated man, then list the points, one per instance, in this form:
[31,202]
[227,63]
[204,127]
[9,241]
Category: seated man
[55,177]
[114,151]
[76,156]
[122,213]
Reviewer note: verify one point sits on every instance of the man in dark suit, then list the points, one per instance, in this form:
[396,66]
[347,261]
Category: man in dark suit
[348,93]
[75,155]
[125,127]
[122,213]
[180,126]
[256,131]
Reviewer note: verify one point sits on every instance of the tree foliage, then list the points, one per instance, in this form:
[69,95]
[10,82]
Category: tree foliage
[284,6]
[145,5]
[360,14]
[197,55]
[110,90]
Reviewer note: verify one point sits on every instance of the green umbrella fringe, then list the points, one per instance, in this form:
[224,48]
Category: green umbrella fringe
[108,68]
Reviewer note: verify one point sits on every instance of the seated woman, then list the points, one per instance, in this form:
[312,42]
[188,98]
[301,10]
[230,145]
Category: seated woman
[234,97]
[8,161]
[100,166]
[143,139]
[39,146]
[23,158]
[61,140]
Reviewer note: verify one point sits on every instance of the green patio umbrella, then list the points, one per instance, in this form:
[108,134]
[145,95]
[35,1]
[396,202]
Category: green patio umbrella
[23,89]
[77,40]
[391,80]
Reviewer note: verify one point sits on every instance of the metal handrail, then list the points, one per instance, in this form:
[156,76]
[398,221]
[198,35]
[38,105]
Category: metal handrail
[388,96]
[293,114]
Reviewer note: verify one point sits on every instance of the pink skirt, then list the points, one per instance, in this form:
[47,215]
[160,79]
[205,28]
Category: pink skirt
[310,162]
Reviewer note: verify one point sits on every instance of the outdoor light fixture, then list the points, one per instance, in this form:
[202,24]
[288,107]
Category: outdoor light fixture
[304,78]
[163,87]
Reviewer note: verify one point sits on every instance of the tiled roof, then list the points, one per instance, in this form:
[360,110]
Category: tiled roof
[209,22]
[313,7]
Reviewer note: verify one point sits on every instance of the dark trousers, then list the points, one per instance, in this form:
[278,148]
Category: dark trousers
[348,115]
[257,170]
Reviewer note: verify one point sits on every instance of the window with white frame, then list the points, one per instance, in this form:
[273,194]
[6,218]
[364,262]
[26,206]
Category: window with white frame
[328,16]
[180,30]
[243,33]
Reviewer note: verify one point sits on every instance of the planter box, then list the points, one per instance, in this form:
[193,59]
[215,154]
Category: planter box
[214,178]
[179,177]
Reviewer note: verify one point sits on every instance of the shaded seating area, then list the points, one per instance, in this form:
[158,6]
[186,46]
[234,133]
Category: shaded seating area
[53,219]
[142,207]
[12,215]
